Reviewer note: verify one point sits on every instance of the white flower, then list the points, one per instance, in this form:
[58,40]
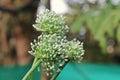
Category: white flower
[50,23]
[52,48]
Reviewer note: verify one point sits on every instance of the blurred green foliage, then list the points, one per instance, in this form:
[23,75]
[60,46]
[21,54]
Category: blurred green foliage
[103,24]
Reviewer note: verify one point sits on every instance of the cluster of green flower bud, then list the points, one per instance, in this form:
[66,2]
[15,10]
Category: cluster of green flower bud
[75,50]
[52,48]
[51,23]
[53,51]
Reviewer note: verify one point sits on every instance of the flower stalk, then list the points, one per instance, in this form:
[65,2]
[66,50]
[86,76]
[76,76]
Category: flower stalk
[57,73]
[52,50]
[35,64]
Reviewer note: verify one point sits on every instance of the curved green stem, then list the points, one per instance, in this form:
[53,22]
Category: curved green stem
[35,64]
[57,73]
[55,76]
[31,75]
[35,59]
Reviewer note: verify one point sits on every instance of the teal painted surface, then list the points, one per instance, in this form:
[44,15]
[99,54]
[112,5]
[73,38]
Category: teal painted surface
[90,72]
[17,72]
[72,71]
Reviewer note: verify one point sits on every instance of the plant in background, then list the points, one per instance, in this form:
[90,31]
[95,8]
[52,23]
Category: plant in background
[103,24]
[52,50]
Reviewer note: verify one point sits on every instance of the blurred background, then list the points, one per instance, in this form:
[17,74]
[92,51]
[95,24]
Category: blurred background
[94,22]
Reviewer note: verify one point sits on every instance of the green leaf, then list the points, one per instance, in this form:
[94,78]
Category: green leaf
[103,44]
[118,34]
[77,25]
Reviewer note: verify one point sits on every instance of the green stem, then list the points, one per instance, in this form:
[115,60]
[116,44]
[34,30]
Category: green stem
[36,63]
[31,75]
[57,73]
[55,76]
[35,59]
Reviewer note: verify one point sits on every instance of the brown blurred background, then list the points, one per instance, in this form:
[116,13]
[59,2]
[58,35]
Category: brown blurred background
[16,32]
